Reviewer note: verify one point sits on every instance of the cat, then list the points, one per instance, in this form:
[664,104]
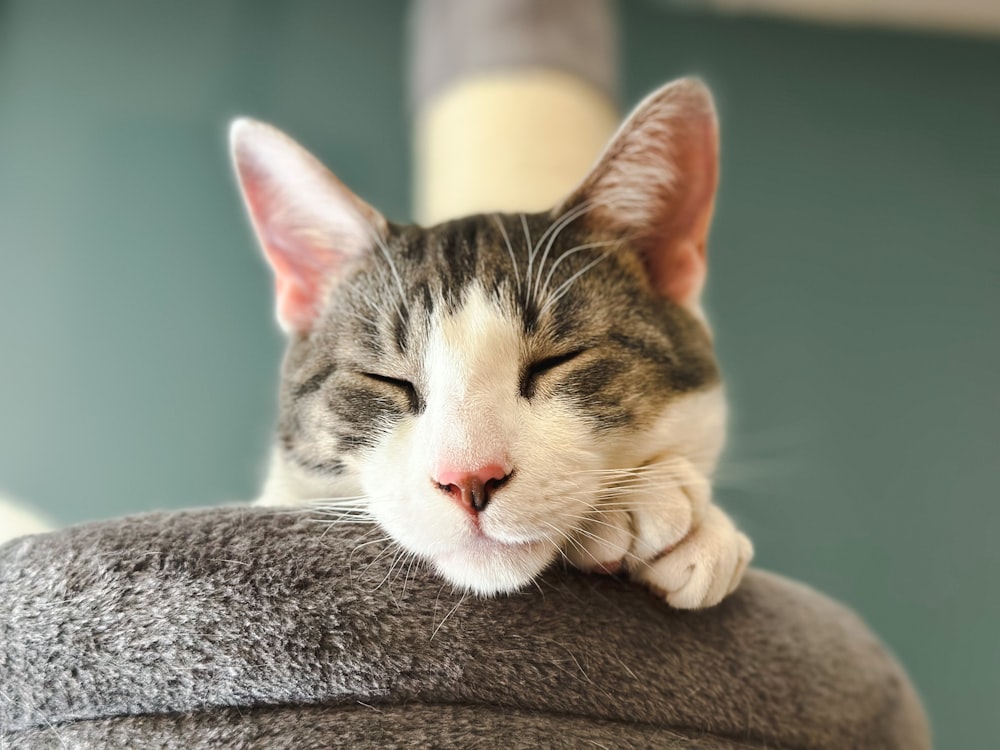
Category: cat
[501,390]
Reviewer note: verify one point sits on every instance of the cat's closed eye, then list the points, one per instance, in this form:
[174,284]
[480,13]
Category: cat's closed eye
[403,386]
[534,371]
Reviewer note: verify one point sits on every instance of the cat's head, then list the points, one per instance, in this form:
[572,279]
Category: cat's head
[478,383]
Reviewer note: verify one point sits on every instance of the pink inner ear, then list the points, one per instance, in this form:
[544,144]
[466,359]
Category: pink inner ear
[298,290]
[676,253]
[302,265]
[657,182]
[678,273]
[308,224]
[297,246]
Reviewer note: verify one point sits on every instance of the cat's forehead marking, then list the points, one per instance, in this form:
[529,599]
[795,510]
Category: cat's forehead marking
[524,265]
[476,339]
[471,362]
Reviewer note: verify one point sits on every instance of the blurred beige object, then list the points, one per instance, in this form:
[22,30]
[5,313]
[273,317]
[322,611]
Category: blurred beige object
[16,520]
[508,141]
[514,101]
[966,16]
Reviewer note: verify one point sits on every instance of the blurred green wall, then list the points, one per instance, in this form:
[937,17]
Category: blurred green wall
[854,286]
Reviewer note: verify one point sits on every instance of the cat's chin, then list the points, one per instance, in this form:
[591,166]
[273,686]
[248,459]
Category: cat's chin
[486,567]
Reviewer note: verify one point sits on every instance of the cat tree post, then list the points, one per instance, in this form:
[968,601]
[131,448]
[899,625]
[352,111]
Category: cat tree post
[514,101]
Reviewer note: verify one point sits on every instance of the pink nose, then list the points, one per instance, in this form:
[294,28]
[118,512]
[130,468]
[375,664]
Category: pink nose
[473,489]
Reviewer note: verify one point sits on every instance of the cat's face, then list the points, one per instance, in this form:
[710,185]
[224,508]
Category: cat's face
[479,385]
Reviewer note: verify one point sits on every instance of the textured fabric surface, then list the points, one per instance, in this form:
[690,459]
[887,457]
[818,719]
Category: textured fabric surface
[183,628]
[410,726]
[456,39]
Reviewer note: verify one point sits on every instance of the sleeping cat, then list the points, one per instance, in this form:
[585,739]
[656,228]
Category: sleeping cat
[502,389]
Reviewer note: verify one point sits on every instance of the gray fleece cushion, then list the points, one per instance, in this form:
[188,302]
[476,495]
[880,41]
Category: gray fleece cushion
[256,628]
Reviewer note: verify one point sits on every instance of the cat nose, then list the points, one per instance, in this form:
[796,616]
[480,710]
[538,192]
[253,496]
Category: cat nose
[473,489]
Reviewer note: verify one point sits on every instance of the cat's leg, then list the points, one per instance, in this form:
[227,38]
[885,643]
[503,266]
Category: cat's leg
[686,548]
[637,514]
[660,524]
[703,567]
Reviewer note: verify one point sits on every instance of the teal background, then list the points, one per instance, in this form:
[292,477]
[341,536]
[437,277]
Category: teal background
[854,283]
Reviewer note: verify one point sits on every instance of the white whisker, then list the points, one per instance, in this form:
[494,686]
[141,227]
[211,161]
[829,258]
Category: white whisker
[388,258]
[510,250]
[553,231]
[564,287]
[567,254]
[448,615]
[531,258]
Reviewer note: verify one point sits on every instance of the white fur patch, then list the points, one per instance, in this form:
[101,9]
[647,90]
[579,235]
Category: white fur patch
[475,416]
[471,363]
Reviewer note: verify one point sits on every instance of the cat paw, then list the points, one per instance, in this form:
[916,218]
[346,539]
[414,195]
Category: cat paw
[664,511]
[702,568]
[643,514]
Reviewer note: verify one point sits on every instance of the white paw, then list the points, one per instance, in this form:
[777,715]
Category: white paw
[641,513]
[704,566]
[662,512]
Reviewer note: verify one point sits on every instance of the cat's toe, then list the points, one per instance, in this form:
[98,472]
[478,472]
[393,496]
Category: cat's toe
[661,522]
[602,544]
[703,568]
[745,556]
[664,511]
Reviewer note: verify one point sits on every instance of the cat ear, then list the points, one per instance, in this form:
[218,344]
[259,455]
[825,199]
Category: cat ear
[655,183]
[308,223]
